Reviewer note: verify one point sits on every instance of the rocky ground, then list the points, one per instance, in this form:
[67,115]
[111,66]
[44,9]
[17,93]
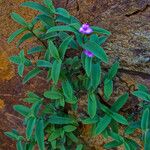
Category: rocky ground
[129,23]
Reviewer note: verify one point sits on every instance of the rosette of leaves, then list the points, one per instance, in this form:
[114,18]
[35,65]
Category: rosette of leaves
[48,121]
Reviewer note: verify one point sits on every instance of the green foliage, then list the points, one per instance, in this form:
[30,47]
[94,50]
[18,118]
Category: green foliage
[96,50]
[54,119]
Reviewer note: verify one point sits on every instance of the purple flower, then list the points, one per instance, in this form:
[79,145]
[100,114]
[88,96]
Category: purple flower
[88,53]
[85,29]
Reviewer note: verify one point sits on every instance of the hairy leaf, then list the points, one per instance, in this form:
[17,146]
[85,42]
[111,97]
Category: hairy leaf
[15,34]
[37,6]
[120,118]
[142,95]
[92,105]
[56,67]
[63,12]
[100,30]
[53,49]
[64,46]
[39,132]
[23,110]
[16,17]
[112,144]
[30,126]
[44,63]
[113,70]
[103,124]
[24,38]
[36,49]
[108,88]
[53,94]
[118,104]
[31,75]
[145,121]
[54,119]
[96,50]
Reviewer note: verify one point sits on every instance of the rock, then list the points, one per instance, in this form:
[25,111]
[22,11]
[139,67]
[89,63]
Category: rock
[128,21]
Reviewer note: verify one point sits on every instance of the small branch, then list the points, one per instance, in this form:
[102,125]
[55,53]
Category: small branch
[38,38]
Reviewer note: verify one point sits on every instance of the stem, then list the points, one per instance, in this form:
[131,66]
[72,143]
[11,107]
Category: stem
[38,38]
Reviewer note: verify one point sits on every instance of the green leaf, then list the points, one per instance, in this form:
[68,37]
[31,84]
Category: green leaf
[24,38]
[15,34]
[133,145]
[37,6]
[143,88]
[127,146]
[67,89]
[114,126]
[142,95]
[99,40]
[44,63]
[94,38]
[19,145]
[16,17]
[103,124]
[54,119]
[145,119]
[105,109]
[72,137]
[36,49]
[53,49]
[112,144]
[69,128]
[100,30]
[96,50]
[53,144]
[31,75]
[146,140]
[108,88]
[15,59]
[92,105]
[30,126]
[12,135]
[91,120]
[50,5]
[54,135]
[48,36]
[23,110]
[113,70]
[64,46]
[120,118]
[64,35]
[63,19]
[116,136]
[27,62]
[56,67]
[102,39]
[33,95]
[72,100]
[32,100]
[53,94]
[20,69]
[62,28]
[39,132]
[79,147]
[63,12]
[48,20]
[47,55]
[88,65]
[118,104]
[95,76]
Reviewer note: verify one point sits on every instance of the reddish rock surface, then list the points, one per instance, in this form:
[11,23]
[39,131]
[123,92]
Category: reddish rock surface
[129,22]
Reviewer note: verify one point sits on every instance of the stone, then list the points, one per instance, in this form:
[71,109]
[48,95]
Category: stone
[128,21]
